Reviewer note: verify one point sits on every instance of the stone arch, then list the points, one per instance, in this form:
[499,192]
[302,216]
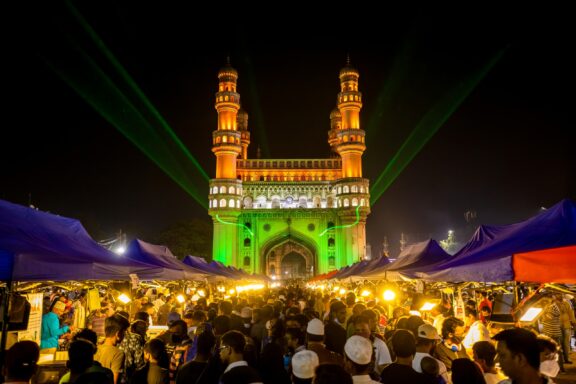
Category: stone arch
[284,244]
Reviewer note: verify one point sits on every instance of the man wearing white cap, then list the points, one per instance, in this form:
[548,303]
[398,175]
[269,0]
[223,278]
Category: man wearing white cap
[358,353]
[51,329]
[426,340]
[315,339]
[304,364]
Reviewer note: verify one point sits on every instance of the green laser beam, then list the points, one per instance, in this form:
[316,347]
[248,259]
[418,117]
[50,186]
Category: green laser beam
[116,108]
[343,226]
[258,114]
[426,128]
[237,224]
[134,87]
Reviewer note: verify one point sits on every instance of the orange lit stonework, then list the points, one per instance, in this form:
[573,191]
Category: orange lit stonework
[270,212]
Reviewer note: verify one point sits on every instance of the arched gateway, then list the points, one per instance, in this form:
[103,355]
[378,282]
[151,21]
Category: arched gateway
[289,217]
[289,258]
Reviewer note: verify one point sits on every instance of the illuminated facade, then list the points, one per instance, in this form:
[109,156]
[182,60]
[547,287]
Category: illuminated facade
[289,217]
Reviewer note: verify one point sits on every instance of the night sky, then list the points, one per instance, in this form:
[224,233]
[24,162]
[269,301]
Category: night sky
[504,153]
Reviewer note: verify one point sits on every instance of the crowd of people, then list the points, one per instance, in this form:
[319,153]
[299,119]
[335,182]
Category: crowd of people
[293,335]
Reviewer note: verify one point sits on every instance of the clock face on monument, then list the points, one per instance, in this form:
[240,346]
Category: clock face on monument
[289,200]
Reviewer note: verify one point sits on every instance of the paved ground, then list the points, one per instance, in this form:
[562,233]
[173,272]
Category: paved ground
[570,376]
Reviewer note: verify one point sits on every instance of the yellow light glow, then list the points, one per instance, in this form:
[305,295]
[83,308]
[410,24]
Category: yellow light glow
[366,293]
[415,313]
[336,289]
[427,306]
[201,293]
[389,295]
[180,298]
[342,291]
[232,291]
[123,298]
[531,314]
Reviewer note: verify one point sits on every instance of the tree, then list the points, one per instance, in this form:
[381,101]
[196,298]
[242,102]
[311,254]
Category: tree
[188,237]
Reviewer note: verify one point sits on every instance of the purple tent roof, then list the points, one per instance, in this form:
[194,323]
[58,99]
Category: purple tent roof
[414,258]
[488,255]
[160,256]
[36,246]
[210,268]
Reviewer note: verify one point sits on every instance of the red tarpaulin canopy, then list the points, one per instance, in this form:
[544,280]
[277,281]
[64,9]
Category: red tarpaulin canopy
[557,265]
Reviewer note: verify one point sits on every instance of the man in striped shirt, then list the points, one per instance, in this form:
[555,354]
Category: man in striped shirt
[551,326]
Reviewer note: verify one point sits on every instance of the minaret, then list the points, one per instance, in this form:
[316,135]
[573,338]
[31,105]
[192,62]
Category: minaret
[226,139]
[350,144]
[225,188]
[335,126]
[242,125]
[403,242]
[347,139]
[385,247]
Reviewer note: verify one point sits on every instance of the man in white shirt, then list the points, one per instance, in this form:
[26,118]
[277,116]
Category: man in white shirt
[476,332]
[426,340]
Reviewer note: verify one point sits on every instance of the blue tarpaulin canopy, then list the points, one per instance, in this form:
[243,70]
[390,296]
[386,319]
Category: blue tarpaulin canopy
[488,255]
[416,257]
[37,246]
[215,270]
[161,257]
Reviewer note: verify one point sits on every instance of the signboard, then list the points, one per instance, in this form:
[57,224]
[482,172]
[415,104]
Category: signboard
[135,281]
[33,332]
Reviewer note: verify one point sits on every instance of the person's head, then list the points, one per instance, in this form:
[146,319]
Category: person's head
[484,353]
[294,337]
[350,299]
[362,326]
[404,343]
[144,316]
[358,308]
[338,311]
[430,366]
[155,352]
[485,311]
[179,331]
[87,334]
[172,317]
[471,316]
[427,337]
[315,330]
[139,327]
[518,352]
[225,308]
[452,330]
[206,341]
[372,316]
[304,364]
[20,362]
[232,345]
[331,374]
[58,307]
[80,356]
[413,323]
[297,321]
[358,355]
[465,371]
[115,327]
